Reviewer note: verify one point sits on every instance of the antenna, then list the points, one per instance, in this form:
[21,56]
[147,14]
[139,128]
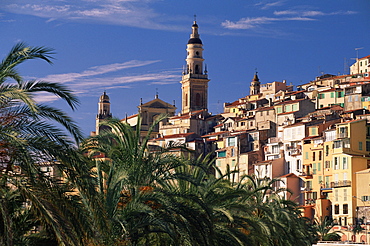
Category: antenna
[357,49]
[195,18]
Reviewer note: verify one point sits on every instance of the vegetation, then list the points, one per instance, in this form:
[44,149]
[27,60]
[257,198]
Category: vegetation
[113,190]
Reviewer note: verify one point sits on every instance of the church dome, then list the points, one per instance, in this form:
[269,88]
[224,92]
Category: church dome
[104,98]
[195,41]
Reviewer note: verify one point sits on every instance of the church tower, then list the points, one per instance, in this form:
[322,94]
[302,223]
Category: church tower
[195,79]
[103,112]
[255,85]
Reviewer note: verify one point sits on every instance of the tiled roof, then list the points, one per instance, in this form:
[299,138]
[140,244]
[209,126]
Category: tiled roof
[180,135]
[291,101]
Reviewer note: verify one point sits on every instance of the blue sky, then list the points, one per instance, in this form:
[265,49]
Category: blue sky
[135,48]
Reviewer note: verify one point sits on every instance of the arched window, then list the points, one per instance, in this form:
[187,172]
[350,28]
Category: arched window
[186,100]
[198,100]
[196,69]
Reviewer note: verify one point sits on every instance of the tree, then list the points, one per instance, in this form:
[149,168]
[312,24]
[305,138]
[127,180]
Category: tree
[28,138]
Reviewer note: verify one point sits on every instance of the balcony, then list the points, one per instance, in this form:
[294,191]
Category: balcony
[343,135]
[295,151]
[274,140]
[307,175]
[344,143]
[341,183]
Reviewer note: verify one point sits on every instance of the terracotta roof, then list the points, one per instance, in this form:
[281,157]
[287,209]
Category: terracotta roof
[295,124]
[353,110]
[187,116]
[291,101]
[291,112]
[180,135]
[351,121]
[130,117]
[235,103]
[332,89]
[364,57]
[311,137]
[265,108]
[289,175]
[214,134]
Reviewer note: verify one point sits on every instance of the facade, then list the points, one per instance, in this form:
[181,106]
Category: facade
[316,139]
[361,65]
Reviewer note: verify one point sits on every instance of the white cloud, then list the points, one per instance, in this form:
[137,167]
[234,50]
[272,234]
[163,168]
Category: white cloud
[312,13]
[118,12]
[249,23]
[264,5]
[97,70]
[96,79]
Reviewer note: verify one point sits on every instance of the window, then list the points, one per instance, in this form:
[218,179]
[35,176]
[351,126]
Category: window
[367,146]
[233,163]
[327,182]
[232,152]
[360,145]
[306,155]
[313,131]
[336,209]
[221,154]
[349,98]
[314,168]
[322,96]
[327,164]
[298,165]
[365,198]
[288,108]
[320,179]
[326,150]
[198,100]
[231,141]
[278,110]
[313,156]
[320,155]
[336,195]
[344,163]
[345,208]
[344,194]
[294,107]
[331,94]
[218,163]
[319,166]
[336,163]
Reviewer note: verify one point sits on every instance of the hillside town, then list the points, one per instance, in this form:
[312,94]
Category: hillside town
[314,138]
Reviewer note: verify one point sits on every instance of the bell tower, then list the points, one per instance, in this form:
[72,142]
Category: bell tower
[254,88]
[103,112]
[194,79]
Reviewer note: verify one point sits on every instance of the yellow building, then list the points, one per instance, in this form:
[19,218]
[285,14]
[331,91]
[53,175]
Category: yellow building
[330,97]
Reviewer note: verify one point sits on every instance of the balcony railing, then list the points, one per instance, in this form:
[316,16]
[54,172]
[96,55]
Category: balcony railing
[343,135]
[341,183]
[274,140]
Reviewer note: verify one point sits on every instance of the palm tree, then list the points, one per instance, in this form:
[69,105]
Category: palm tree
[29,137]
[124,186]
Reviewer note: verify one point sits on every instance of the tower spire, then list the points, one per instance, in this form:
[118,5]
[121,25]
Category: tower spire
[195,79]
[255,85]
[103,112]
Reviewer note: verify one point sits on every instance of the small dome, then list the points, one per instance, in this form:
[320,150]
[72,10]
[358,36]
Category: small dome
[104,98]
[195,41]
